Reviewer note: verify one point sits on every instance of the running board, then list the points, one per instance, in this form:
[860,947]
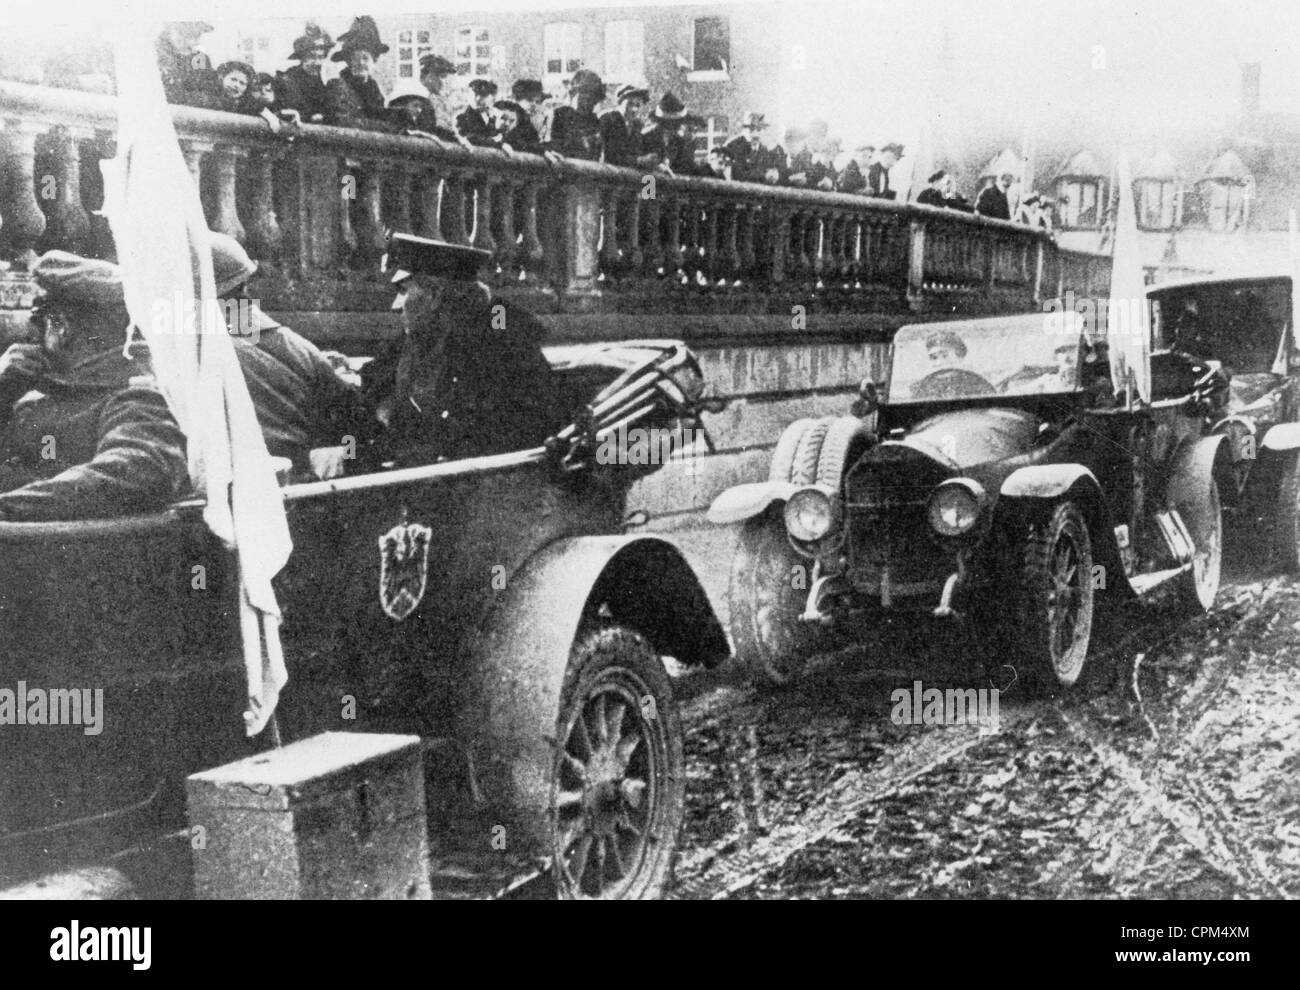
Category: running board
[1143,584]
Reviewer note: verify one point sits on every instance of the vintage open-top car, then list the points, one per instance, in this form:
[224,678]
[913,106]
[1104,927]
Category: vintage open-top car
[1246,324]
[492,606]
[1004,481]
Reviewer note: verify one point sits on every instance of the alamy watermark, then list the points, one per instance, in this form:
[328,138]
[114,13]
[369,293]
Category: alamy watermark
[53,706]
[951,706]
[181,315]
[1120,315]
[650,446]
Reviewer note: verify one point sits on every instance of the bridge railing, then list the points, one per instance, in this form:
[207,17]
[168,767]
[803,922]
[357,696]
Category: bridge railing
[576,236]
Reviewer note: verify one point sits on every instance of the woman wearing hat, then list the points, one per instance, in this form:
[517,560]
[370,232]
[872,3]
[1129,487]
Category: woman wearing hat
[474,125]
[354,99]
[575,128]
[669,137]
[300,88]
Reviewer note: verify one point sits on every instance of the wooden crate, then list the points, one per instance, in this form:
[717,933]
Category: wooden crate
[339,815]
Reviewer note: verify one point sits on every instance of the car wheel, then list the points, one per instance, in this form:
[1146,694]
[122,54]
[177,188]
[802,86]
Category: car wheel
[1286,519]
[1204,521]
[1056,600]
[803,466]
[846,440]
[618,783]
[783,454]
[767,593]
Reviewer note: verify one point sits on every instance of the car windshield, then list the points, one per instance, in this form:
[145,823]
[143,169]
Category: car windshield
[1238,323]
[1024,355]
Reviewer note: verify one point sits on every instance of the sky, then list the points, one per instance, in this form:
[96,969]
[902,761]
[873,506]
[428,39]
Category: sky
[1131,67]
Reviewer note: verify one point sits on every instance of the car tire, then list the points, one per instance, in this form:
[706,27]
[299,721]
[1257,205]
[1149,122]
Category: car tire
[618,781]
[765,601]
[783,454]
[803,466]
[1286,517]
[846,440]
[1204,520]
[1056,603]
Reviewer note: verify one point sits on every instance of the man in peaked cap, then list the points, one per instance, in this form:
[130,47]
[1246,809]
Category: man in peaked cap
[474,124]
[467,378]
[300,87]
[354,99]
[84,431]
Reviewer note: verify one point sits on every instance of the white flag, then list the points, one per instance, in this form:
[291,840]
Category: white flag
[1127,323]
[157,221]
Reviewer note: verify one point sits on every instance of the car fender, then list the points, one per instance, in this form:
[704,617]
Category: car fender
[748,501]
[1194,464]
[1282,437]
[517,664]
[1047,480]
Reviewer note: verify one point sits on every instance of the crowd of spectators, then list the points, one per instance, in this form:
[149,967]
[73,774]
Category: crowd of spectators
[635,131]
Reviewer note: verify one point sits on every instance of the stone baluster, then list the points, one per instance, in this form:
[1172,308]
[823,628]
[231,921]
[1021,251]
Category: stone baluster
[609,256]
[369,223]
[506,203]
[531,253]
[581,234]
[483,192]
[655,259]
[781,233]
[226,213]
[265,238]
[799,261]
[453,210]
[349,196]
[632,241]
[673,253]
[397,186]
[747,255]
[694,248]
[24,223]
[853,249]
[67,224]
[728,246]
[428,191]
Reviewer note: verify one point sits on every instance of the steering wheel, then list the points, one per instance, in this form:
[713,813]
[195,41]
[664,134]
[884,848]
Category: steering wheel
[951,383]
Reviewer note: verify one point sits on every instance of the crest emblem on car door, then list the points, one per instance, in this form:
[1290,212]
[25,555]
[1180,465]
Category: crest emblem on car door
[403,568]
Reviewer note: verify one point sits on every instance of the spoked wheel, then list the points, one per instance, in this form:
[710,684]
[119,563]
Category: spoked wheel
[1057,600]
[1204,521]
[618,786]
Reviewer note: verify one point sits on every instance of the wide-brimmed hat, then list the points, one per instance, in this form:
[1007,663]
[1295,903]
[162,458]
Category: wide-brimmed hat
[670,108]
[895,147]
[752,120]
[529,89]
[312,37]
[362,36]
[631,92]
[482,87]
[586,81]
[437,65]
[408,89]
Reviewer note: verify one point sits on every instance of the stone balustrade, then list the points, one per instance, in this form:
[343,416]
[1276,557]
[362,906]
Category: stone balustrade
[569,236]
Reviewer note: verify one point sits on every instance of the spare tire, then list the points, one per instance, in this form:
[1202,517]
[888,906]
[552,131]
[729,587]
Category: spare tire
[783,454]
[846,440]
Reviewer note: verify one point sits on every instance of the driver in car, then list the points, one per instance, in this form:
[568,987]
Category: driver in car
[84,431]
[1066,375]
[946,376]
[467,377]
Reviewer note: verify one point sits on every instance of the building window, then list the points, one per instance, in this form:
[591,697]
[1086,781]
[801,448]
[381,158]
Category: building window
[473,52]
[1157,203]
[253,49]
[711,49]
[411,47]
[710,136]
[1076,203]
[625,52]
[1223,203]
[561,52]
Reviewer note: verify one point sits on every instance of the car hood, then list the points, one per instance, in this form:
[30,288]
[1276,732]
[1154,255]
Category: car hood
[966,438]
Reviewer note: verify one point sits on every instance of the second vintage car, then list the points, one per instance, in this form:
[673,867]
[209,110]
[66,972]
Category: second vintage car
[1004,481]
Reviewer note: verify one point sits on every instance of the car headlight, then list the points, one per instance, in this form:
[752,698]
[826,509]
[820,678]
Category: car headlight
[955,505]
[811,513]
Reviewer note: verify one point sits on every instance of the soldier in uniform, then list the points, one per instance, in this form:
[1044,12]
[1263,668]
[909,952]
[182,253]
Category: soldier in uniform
[300,87]
[84,431]
[474,124]
[467,377]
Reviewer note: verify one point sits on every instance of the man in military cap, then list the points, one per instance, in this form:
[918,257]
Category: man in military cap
[474,124]
[84,431]
[467,377]
[300,88]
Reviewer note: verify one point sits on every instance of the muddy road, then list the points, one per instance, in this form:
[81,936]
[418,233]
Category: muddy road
[1175,773]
